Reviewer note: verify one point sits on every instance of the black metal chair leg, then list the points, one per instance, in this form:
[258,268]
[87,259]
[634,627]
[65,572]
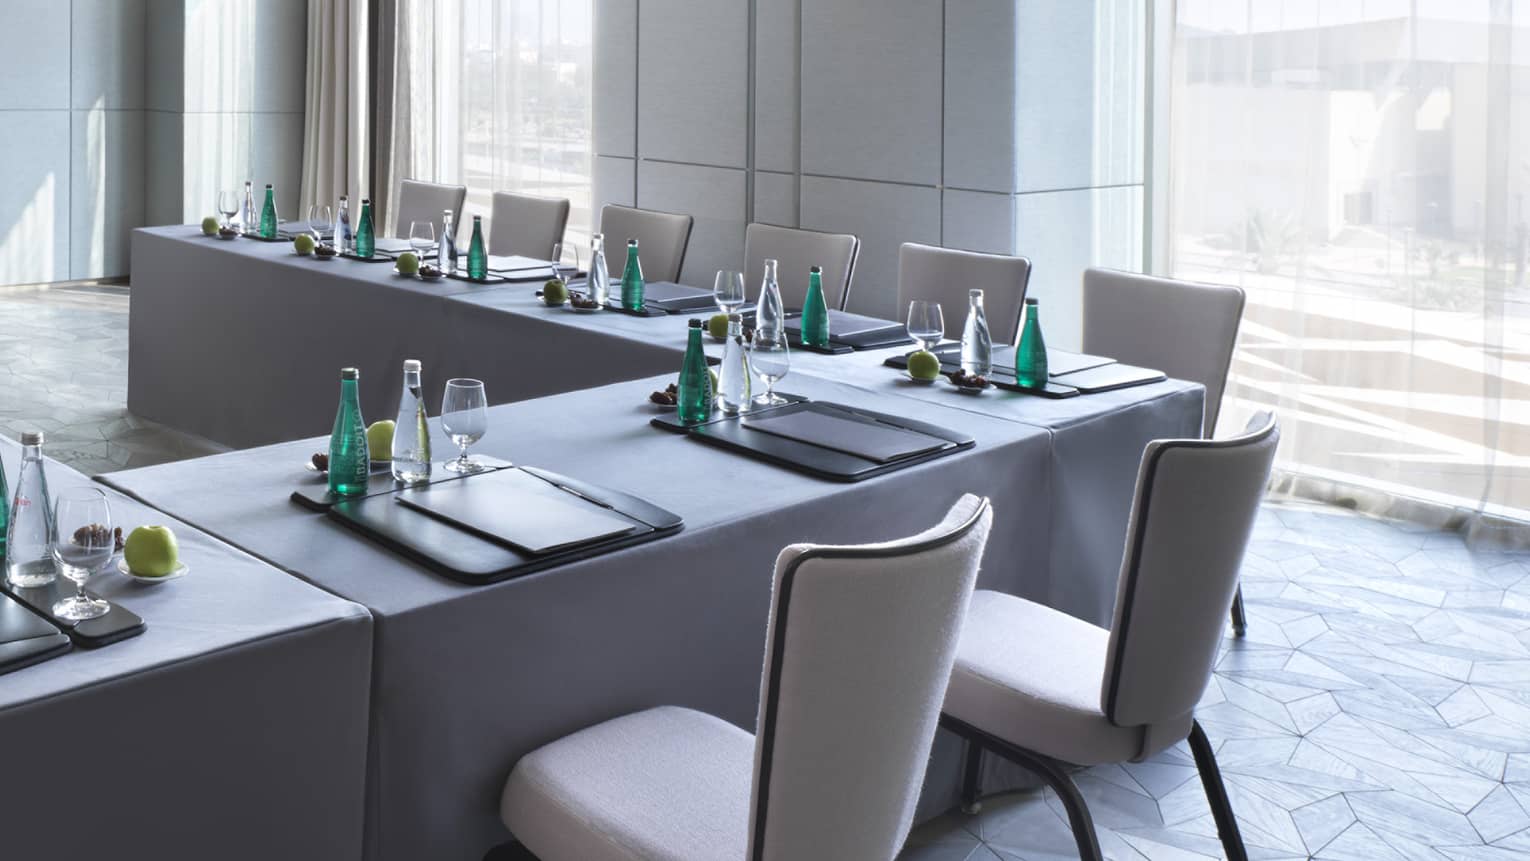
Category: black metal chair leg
[1216,794]
[1239,620]
[971,773]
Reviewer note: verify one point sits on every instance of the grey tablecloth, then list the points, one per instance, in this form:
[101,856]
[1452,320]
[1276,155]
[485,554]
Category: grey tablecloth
[234,727]
[468,679]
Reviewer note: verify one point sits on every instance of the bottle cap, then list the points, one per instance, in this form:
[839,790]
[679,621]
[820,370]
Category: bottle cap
[632,242]
[975,293]
[477,218]
[815,270]
[32,438]
[366,200]
[412,365]
[349,374]
[268,185]
[695,323]
[1030,301]
[447,212]
[342,197]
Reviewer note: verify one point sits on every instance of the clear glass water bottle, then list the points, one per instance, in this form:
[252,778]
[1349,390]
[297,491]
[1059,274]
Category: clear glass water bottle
[343,225]
[411,431]
[30,533]
[446,249]
[769,314]
[247,212]
[600,275]
[268,218]
[632,279]
[733,373]
[350,463]
[977,344]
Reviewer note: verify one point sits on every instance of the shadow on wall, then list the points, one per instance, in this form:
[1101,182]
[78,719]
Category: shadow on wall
[27,237]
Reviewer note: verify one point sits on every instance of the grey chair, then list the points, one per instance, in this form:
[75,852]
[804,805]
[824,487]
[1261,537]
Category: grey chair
[1184,329]
[796,251]
[426,201]
[1040,687]
[858,651]
[945,275]
[662,238]
[526,225]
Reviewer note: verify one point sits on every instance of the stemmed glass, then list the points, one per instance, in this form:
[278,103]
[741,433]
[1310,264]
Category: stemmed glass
[728,290]
[769,359]
[320,222]
[85,544]
[228,204]
[560,249]
[925,323]
[465,419]
[422,235]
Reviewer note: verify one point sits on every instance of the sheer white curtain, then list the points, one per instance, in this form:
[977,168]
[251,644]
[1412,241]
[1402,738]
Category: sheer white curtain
[1360,168]
[335,111]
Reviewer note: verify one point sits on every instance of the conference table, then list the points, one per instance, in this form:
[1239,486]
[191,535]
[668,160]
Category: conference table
[234,726]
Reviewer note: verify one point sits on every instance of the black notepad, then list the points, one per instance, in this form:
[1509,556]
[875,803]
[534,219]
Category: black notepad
[518,263]
[677,298]
[519,510]
[1108,377]
[25,637]
[868,439]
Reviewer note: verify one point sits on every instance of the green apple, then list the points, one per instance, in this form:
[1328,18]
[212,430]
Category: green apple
[714,379]
[924,365]
[303,244]
[408,263]
[555,292]
[151,551]
[717,326]
[380,439]
[210,226]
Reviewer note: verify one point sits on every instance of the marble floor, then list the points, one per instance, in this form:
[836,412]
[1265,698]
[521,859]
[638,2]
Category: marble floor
[1378,709]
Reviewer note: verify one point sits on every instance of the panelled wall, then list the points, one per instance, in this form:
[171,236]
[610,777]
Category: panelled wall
[1010,126]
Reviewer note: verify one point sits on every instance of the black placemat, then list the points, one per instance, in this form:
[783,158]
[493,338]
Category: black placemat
[314,494]
[1053,389]
[377,257]
[26,637]
[1059,362]
[1110,377]
[119,623]
[875,441]
[854,331]
[491,278]
[670,419]
[520,510]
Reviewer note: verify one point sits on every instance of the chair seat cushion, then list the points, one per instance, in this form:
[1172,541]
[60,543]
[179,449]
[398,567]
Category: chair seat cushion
[1031,676]
[668,783]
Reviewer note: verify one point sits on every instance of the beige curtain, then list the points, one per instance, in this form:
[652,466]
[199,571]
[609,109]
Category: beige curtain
[335,148]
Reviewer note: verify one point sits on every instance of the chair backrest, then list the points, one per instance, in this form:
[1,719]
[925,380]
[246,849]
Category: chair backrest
[857,657]
[661,236]
[1195,505]
[1184,329]
[945,275]
[796,251]
[526,225]
[425,201]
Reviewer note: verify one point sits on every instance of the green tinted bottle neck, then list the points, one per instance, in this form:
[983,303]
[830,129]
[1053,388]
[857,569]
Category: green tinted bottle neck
[693,342]
[632,254]
[270,195]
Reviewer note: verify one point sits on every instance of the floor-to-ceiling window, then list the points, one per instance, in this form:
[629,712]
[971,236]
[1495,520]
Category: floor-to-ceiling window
[1360,168]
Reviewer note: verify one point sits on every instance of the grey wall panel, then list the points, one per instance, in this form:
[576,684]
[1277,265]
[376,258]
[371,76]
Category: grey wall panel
[165,67]
[884,216]
[978,221]
[1055,70]
[871,91]
[714,197]
[281,50]
[775,198]
[1063,232]
[615,181]
[276,156]
[614,100]
[34,196]
[776,85]
[980,106]
[165,136]
[34,65]
[106,190]
[693,103]
[107,54]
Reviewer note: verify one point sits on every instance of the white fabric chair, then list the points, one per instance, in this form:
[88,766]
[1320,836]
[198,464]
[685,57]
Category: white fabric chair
[945,275]
[526,225]
[796,251]
[1040,687]
[1184,329]
[858,652]
[426,201]
[662,238]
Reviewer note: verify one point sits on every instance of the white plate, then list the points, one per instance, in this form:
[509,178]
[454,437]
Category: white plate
[913,379]
[180,571]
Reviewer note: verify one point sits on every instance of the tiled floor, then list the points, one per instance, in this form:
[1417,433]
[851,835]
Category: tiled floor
[1379,708]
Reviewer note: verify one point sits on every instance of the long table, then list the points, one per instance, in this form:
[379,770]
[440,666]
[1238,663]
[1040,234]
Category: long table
[234,726]
[468,679]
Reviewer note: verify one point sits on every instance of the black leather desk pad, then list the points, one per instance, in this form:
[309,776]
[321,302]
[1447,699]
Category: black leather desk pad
[855,331]
[119,623]
[1110,377]
[314,493]
[25,637]
[1059,362]
[377,257]
[519,509]
[491,278]
[817,460]
[470,558]
[670,419]
[1000,380]
[876,441]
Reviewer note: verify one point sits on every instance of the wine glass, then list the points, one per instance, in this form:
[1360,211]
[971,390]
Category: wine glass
[320,221]
[85,544]
[559,250]
[422,235]
[769,359]
[925,323]
[228,204]
[465,419]
[728,290]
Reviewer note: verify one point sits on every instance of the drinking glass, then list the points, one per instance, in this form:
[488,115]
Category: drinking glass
[769,359]
[465,419]
[320,222]
[422,236]
[728,290]
[228,204]
[559,251]
[85,544]
[925,323]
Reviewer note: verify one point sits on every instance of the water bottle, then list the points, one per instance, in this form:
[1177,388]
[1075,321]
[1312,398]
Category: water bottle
[478,255]
[632,279]
[247,214]
[694,402]
[815,312]
[411,433]
[769,315]
[343,225]
[733,373]
[600,276]
[977,344]
[268,218]
[446,249]
[350,464]
[366,239]
[30,534]
[1031,355]
[5,511]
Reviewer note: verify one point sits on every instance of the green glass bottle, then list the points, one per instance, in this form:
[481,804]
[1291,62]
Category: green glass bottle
[694,403]
[5,512]
[632,279]
[478,256]
[1031,355]
[350,463]
[366,236]
[815,311]
[268,215]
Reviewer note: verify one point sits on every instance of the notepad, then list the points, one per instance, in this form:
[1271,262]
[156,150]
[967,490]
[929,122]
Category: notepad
[519,510]
[517,263]
[867,439]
